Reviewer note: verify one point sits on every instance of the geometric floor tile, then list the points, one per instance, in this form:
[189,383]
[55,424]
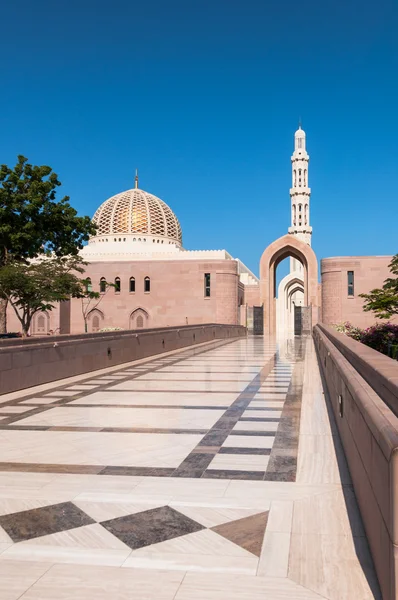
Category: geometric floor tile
[4,537]
[16,505]
[247,533]
[36,522]
[204,542]
[151,526]
[89,536]
[240,462]
[210,517]
[105,511]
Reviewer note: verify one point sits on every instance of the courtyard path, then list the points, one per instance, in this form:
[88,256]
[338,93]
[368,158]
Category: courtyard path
[212,473]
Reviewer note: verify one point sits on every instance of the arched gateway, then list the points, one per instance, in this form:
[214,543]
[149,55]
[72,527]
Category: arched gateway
[284,247]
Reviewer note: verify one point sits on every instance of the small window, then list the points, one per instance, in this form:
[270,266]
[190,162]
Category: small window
[89,285]
[102,285]
[147,285]
[207,285]
[350,282]
[140,322]
[117,285]
[132,284]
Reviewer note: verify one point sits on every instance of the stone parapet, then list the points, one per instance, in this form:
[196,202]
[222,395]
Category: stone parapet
[361,384]
[32,361]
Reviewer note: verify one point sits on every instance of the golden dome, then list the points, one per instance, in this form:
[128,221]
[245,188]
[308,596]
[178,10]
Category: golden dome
[136,211]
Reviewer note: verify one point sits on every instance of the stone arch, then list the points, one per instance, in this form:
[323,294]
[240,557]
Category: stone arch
[284,247]
[41,323]
[293,291]
[139,319]
[293,281]
[284,314]
[95,320]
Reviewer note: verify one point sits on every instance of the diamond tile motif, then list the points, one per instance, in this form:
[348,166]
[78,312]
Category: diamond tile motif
[34,523]
[151,526]
[248,533]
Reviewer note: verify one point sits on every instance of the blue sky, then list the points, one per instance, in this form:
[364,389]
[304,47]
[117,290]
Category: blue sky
[204,98]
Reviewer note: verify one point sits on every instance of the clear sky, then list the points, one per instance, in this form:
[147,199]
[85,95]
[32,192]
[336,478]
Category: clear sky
[204,98]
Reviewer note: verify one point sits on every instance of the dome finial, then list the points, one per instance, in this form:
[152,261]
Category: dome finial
[136,179]
[300,122]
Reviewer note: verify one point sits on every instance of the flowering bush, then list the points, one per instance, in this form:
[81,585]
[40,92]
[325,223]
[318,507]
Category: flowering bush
[382,336]
[350,330]
[111,329]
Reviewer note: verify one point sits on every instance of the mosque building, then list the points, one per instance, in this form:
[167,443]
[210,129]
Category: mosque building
[156,282]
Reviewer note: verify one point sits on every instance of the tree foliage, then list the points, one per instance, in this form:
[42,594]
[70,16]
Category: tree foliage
[37,286]
[33,221]
[384,301]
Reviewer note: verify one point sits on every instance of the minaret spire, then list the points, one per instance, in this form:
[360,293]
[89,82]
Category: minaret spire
[300,192]
[136,179]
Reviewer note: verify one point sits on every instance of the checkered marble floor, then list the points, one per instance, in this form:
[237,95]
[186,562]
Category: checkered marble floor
[207,473]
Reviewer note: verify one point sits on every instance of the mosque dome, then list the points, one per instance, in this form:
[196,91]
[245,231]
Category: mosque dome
[137,212]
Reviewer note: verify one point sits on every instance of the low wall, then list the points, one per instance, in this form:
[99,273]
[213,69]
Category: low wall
[33,361]
[369,433]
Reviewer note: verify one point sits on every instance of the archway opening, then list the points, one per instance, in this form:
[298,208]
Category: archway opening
[289,295]
[299,285]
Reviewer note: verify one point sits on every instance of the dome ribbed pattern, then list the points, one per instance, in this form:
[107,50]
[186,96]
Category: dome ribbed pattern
[136,211]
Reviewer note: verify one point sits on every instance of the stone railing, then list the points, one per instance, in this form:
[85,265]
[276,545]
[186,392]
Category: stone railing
[363,390]
[33,361]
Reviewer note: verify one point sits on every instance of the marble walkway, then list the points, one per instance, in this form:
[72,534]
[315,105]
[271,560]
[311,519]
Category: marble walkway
[212,473]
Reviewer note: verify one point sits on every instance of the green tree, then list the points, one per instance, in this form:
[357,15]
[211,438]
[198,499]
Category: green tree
[33,221]
[37,286]
[91,299]
[384,302]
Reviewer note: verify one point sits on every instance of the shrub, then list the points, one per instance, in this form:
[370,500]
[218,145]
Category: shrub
[348,329]
[111,329]
[382,337]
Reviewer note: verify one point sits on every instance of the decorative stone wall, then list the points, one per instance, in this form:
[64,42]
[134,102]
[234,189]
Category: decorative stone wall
[33,361]
[337,305]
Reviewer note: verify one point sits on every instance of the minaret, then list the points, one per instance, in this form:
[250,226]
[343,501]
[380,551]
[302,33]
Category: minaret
[300,195]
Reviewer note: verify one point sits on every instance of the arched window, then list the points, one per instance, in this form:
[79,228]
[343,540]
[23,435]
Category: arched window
[299,177]
[117,285]
[295,178]
[305,177]
[95,324]
[294,214]
[89,285]
[95,320]
[306,214]
[147,285]
[41,324]
[102,285]
[132,284]
[138,319]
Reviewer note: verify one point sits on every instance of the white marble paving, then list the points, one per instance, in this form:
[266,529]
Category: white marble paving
[72,416]
[240,462]
[310,547]
[248,441]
